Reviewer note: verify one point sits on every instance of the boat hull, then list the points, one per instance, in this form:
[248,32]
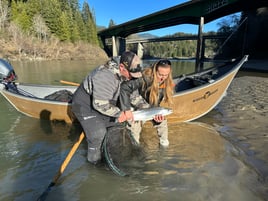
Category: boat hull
[40,108]
[198,102]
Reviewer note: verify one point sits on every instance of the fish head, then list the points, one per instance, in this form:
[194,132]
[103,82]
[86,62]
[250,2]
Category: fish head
[165,111]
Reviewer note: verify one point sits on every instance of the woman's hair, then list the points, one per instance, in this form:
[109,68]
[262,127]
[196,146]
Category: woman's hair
[152,91]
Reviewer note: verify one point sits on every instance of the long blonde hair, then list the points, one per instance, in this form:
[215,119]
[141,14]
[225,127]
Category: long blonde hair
[151,85]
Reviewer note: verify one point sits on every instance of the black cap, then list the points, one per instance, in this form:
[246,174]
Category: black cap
[127,58]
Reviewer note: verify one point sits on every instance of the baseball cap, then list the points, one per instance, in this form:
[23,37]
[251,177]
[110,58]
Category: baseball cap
[132,63]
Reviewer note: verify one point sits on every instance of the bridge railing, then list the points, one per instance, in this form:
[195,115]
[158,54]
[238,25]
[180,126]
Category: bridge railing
[141,41]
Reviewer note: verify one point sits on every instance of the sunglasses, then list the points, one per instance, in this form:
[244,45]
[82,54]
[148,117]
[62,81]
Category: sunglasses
[135,70]
[163,62]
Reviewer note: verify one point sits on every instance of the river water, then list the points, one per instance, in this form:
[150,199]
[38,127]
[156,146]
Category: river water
[221,156]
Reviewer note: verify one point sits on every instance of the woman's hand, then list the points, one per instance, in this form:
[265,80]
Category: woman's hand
[159,118]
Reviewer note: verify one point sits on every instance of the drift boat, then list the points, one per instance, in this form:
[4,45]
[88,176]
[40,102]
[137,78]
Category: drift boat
[195,94]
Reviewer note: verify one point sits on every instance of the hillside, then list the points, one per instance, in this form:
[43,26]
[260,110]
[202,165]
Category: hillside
[53,50]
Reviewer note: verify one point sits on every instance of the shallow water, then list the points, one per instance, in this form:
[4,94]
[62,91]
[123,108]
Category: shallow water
[222,156]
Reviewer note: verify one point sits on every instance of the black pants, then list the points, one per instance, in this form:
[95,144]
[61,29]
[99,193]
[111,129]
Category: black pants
[94,123]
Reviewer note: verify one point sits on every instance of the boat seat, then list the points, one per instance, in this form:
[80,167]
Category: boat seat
[184,83]
[61,95]
[190,81]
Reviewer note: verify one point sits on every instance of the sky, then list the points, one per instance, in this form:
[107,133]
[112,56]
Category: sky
[121,11]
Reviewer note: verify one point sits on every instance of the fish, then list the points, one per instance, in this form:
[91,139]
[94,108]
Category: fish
[149,113]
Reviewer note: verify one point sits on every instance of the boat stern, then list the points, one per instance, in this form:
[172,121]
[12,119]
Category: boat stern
[7,73]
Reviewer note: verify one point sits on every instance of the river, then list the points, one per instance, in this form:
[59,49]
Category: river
[221,156]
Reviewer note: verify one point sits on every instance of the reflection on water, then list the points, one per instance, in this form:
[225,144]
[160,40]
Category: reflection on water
[199,164]
[51,72]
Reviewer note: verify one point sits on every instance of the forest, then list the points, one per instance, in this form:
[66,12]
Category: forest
[63,29]
[48,29]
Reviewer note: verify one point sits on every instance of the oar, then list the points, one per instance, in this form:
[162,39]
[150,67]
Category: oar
[43,196]
[70,83]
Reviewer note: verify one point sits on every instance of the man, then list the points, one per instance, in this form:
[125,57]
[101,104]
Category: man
[95,101]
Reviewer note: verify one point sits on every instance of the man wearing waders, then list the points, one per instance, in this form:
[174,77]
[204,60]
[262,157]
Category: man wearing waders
[95,101]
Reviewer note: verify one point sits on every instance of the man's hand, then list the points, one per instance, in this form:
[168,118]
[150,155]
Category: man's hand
[129,115]
[159,118]
[125,116]
[122,117]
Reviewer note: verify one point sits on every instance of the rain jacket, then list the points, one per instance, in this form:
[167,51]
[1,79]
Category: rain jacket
[100,91]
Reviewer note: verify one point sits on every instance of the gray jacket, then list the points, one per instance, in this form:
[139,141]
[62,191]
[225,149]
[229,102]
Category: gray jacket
[103,85]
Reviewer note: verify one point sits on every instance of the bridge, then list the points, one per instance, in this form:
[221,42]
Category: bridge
[196,12]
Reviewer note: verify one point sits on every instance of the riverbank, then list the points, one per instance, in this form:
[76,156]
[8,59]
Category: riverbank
[51,50]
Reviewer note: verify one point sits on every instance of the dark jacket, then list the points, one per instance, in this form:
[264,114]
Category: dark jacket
[136,85]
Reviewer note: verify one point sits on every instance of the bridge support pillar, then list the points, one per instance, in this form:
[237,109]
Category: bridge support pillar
[140,49]
[118,45]
[199,47]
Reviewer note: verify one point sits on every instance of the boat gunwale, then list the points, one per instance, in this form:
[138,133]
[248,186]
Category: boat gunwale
[233,70]
[35,98]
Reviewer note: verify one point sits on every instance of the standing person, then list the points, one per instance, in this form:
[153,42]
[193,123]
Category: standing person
[95,101]
[155,85]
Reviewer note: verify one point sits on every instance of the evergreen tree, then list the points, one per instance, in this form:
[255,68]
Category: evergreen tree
[89,21]
[52,14]
[20,16]
[111,23]
[64,30]
[73,4]
[79,29]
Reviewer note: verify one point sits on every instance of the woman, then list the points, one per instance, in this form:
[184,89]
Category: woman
[155,85]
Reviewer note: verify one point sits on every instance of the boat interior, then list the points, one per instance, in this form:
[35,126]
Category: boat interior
[204,77]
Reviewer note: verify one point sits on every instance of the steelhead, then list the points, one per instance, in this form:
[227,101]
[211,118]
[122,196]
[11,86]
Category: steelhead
[149,113]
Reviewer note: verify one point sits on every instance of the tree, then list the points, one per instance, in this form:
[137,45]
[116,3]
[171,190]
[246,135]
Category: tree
[89,21]
[78,28]
[64,29]
[40,27]
[20,16]
[111,23]
[3,13]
